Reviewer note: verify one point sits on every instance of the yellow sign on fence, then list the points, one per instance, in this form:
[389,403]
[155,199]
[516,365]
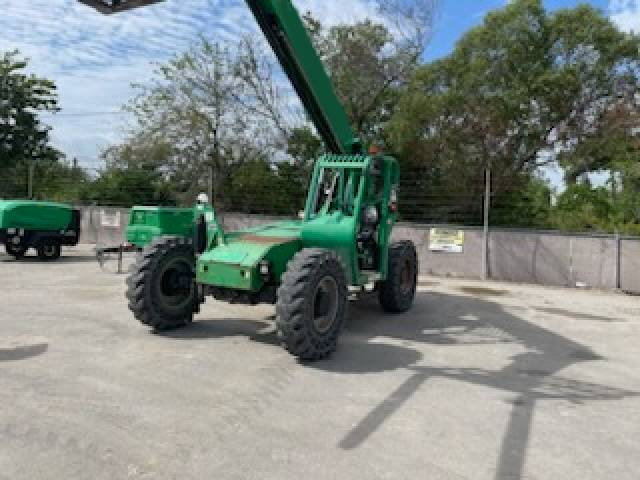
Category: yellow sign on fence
[446,240]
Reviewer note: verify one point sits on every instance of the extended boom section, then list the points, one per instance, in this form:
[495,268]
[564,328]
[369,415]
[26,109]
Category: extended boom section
[288,37]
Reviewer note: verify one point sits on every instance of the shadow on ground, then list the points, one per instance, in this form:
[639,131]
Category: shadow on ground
[453,320]
[450,321]
[62,259]
[258,331]
[23,352]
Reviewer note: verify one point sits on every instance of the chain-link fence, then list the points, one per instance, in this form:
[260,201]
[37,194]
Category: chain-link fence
[525,256]
[478,245]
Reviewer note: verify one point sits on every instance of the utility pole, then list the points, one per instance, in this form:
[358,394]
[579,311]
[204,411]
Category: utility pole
[487,206]
[32,168]
[618,242]
[215,161]
[210,191]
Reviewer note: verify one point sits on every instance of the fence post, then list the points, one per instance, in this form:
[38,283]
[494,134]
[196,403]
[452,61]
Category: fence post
[485,242]
[618,241]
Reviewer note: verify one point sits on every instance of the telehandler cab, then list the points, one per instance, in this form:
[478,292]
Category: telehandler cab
[304,267]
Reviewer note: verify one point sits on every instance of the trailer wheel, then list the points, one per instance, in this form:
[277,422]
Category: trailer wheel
[398,292]
[16,251]
[312,301]
[50,251]
[161,289]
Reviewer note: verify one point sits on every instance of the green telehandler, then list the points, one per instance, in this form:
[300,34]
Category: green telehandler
[305,267]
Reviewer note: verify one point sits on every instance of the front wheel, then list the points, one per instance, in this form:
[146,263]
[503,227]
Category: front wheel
[161,289]
[311,305]
[16,251]
[49,252]
[398,291]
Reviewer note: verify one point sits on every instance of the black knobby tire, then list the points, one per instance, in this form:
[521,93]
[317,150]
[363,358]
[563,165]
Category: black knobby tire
[398,291]
[49,251]
[16,251]
[312,302]
[161,288]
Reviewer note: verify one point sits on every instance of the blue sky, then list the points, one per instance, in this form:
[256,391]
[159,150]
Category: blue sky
[457,16]
[94,58]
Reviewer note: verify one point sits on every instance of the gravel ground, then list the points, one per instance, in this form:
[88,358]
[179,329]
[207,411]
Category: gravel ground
[478,381]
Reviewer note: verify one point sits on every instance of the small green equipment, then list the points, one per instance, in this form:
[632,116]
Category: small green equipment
[45,226]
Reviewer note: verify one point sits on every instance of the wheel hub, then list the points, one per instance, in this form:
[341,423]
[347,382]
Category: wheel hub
[406,277]
[176,282]
[325,304]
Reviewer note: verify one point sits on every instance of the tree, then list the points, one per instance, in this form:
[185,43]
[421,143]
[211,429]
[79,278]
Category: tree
[263,187]
[127,187]
[582,207]
[134,174]
[370,60]
[207,111]
[23,136]
[614,149]
[517,89]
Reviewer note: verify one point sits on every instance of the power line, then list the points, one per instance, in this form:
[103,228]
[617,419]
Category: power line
[83,114]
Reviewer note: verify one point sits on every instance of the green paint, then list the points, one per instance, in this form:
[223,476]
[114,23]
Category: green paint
[148,223]
[236,264]
[332,222]
[34,216]
[343,186]
[287,35]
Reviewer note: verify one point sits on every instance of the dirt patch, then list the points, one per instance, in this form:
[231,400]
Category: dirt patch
[483,291]
[577,315]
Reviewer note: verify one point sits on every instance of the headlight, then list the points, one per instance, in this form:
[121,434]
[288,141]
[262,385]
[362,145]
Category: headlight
[265,268]
[371,215]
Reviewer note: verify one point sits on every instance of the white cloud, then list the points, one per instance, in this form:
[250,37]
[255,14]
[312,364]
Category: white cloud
[626,14]
[94,58]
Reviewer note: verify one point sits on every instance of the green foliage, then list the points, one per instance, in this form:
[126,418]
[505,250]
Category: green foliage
[582,207]
[125,187]
[303,146]
[516,89]
[367,67]
[585,208]
[59,181]
[23,136]
[525,89]
[525,204]
[260,187]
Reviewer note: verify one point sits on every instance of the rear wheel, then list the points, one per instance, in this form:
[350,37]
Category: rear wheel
[161,288]
[16,251]
[398,291]
[311,304]
[49,251]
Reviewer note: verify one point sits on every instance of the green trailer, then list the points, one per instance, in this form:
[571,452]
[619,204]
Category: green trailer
[45,226]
